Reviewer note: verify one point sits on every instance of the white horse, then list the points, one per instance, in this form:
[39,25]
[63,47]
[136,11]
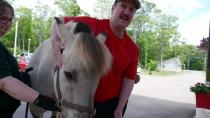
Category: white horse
[85,60]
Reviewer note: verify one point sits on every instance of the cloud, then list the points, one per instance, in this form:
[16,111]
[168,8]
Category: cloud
[193,17]
[197,28]
[174,5]
[87,5]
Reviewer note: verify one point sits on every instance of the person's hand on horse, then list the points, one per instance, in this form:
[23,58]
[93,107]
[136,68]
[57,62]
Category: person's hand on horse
[46,103]
[137,79]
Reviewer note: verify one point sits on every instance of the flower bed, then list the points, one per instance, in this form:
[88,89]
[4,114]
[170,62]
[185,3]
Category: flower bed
[200,88]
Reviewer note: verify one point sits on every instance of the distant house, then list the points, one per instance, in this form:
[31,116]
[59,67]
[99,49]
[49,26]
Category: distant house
[172,64]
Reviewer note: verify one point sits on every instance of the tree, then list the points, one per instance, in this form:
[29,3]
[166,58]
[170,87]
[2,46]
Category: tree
[166,28]
[24,27]
[191,56]
[42,19]
[69,7]
[103,8]
[142,31]
[204,44]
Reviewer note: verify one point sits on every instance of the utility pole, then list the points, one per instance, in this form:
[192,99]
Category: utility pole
[16,31]
[29,42]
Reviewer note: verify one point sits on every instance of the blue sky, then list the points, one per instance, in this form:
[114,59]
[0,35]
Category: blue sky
[194,15]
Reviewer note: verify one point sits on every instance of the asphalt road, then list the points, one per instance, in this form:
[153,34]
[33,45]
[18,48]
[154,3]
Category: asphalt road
[157,97]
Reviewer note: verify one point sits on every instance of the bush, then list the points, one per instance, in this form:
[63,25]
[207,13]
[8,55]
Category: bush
[152,65]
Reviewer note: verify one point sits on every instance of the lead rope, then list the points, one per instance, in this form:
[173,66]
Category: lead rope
[27,76]
[72,105]
[57,83]
[57,86]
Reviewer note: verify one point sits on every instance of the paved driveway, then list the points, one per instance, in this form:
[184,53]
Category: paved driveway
[164,97]
[158,97]
[174,88]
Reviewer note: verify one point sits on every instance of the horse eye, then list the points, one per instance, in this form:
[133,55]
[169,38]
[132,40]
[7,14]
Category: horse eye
[71,75]
[68,75]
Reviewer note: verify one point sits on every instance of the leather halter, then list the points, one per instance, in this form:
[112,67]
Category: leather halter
[62,103]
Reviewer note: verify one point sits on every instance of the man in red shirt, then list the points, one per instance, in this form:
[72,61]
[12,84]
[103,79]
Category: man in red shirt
[115,87]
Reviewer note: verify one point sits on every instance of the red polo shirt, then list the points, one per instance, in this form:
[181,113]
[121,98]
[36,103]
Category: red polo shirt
[124,53]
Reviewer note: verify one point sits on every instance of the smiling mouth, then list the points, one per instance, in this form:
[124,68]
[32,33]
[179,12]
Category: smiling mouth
[124,17]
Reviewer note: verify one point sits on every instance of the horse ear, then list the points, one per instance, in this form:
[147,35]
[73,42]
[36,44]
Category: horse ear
[64,30]
[61,31]
[58,21]
[101,37]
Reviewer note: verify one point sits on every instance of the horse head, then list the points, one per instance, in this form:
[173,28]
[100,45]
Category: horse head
[85,60]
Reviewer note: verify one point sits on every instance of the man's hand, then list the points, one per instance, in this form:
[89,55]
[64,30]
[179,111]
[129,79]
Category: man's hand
[46,103]
[118,113]
[137,79]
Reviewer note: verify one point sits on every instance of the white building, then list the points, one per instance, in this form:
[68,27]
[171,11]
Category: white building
[172,64]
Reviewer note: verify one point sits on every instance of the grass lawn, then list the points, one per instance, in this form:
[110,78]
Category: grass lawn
[158,73]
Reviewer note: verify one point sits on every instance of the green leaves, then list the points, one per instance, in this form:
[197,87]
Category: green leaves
[200,87]
[102,8]
[69,7]
[152,65]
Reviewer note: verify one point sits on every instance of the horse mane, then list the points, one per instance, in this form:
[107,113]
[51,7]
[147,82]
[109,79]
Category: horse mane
[92,53]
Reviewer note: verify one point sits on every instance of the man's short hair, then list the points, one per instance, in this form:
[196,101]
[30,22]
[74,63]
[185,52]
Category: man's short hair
[137,3]
[4,4]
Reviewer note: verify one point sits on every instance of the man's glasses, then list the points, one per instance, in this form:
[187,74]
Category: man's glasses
[4,19]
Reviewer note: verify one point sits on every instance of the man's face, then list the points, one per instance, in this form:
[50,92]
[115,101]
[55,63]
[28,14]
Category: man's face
[5,21]
[122,13]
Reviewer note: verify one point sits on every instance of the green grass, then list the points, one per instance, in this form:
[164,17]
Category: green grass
[158,73]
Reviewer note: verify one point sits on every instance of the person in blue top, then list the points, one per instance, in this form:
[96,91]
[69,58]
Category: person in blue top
[12,89]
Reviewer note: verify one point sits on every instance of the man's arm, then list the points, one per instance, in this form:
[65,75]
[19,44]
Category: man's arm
[126,89]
